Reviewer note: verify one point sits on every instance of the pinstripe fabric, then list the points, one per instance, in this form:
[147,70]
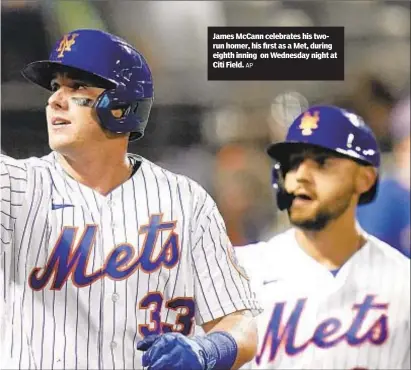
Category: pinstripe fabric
[359,319]
[80,284]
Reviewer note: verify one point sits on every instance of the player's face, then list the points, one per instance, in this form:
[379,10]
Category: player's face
[324,187]
[71,121]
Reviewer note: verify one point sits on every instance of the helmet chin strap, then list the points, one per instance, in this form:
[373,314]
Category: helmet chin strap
[286,200]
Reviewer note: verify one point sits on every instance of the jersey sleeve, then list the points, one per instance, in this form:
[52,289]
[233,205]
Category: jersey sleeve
[251,257]
[406,363]
[13,189]
[222,285]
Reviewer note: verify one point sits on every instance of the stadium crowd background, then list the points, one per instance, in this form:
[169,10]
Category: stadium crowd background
[217,132]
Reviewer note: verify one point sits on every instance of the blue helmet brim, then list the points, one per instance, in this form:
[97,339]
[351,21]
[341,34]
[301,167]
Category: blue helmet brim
[42,73]
[281,151]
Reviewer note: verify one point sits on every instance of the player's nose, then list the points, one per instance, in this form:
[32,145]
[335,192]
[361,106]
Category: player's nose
[58,100]
[303,171]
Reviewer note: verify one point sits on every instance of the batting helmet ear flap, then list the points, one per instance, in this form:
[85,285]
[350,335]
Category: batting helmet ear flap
[134,113]
[370,195]
[284,199]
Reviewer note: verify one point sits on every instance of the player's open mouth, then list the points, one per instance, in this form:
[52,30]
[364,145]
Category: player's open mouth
[303,197]
[59,122]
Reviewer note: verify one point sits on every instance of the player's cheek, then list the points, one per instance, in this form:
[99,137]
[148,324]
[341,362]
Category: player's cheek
[88,116]
[289,182]
[48,115]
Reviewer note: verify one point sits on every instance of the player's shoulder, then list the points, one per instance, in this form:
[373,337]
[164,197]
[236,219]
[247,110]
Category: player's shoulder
[282,239]
[184,184]
[385,256]
[27,164]
[392,266]
[276,242]
[269,254]
[19,164]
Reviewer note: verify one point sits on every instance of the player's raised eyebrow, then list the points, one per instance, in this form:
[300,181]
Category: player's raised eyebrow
[79,78]
[71,81]
[307,152]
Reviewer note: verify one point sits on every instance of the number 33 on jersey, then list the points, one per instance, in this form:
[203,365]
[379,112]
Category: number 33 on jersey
[87,276]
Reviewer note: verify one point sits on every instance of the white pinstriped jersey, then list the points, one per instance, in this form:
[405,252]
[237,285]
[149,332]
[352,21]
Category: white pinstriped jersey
[85,276]
[359,319]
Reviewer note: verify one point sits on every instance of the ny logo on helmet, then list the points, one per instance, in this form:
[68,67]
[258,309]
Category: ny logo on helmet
[309,123]
[66,43]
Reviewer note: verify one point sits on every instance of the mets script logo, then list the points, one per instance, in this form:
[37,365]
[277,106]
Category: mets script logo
[69,259]
[369,325]
[66,43]
[309,123]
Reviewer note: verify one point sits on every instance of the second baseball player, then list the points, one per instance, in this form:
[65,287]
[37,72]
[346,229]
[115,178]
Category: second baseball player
[334,297]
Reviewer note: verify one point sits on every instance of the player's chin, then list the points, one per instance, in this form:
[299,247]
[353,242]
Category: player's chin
[301,214]
[303,207]
[297,219]
[59,144]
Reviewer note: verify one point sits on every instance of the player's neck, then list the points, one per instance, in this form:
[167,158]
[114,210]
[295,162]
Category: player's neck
[100,170]
[333,245]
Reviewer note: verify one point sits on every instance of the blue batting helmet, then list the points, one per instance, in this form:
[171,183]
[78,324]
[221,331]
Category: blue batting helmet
[109,59]
[330,128]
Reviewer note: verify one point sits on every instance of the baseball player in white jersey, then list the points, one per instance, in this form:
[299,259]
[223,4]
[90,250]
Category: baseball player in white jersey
[107,260]
[333,296]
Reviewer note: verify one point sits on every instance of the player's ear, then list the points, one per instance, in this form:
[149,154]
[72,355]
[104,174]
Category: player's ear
[366,177]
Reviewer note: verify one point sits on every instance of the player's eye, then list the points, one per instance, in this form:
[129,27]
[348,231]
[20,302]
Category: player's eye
[54,86]
[78,86]
[325,161]
[322,160]
[292,164]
